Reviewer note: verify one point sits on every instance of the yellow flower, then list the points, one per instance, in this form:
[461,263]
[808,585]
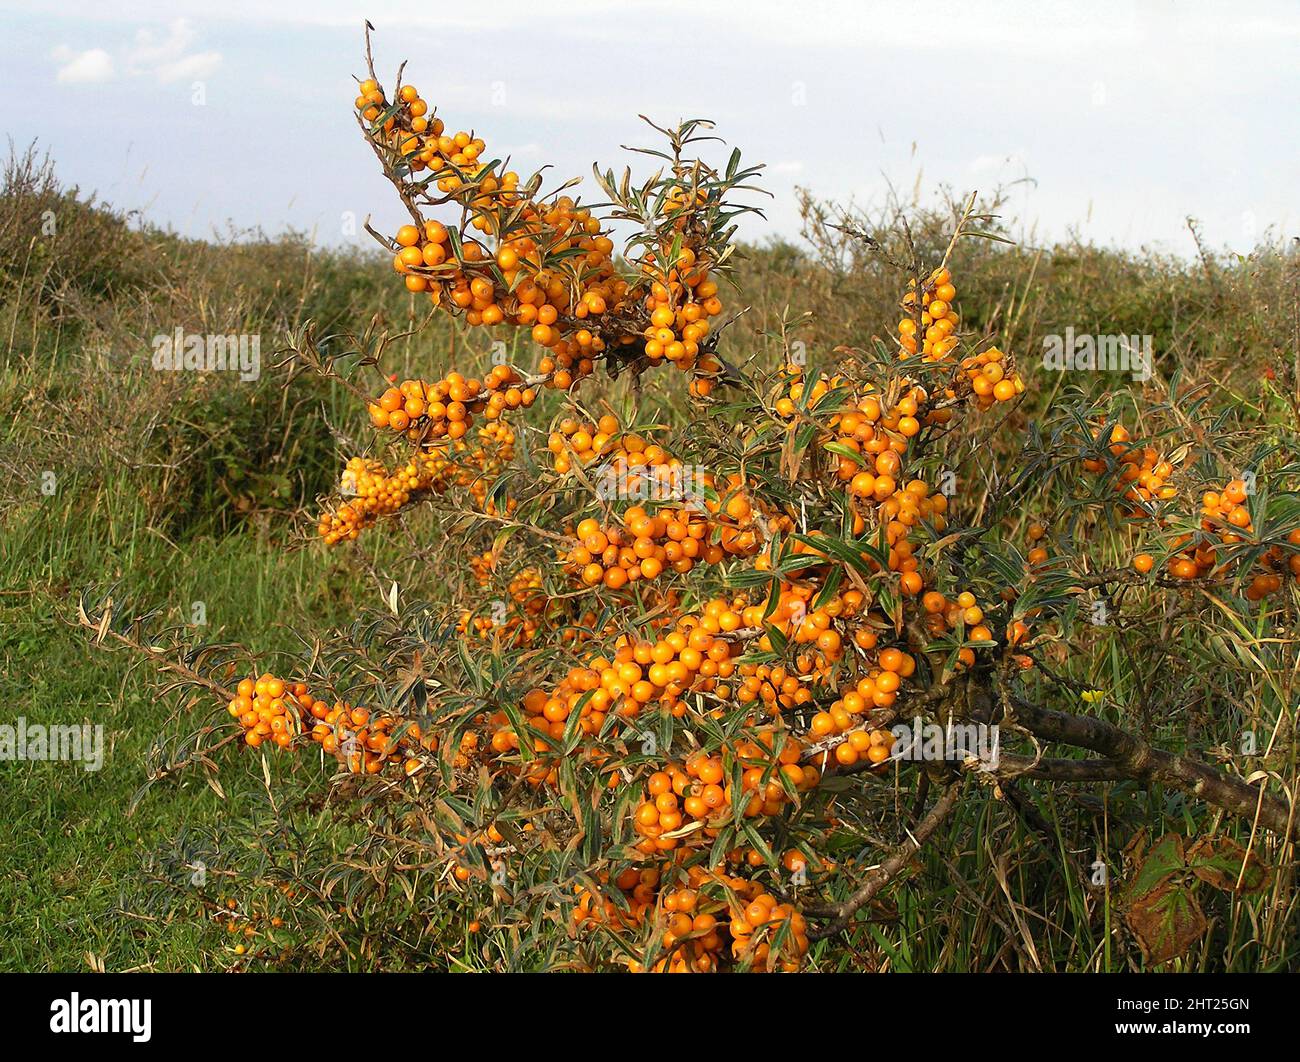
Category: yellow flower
[1092,696]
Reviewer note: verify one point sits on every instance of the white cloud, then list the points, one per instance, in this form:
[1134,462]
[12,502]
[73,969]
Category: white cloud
[168,58]
[80,68]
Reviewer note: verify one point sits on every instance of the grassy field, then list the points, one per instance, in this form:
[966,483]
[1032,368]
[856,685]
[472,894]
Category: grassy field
[172,489]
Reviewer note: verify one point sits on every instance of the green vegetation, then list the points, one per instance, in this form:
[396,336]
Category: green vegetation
[171,489]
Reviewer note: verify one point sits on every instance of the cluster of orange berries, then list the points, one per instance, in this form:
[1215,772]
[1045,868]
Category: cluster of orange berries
[712,908]
[576,321]
[840,726]
[603,687]
[569,329]
[871,429]
[868,442]
[374,492]
[541,300]
[562,227]
[988,375]
[415,134]
[1144,473]
[422,142]
[487,287]
[812,628]
[365,742]
[677,538]
[692,657]
[268,708]
[697,656]
[939,319]
[514,285]
[695,938]
[428,412]
[541,734]
[581,442]
[901,505]
[639,888]
[943,614]
[1035,533]
[876,689]
[888,668]
[633,466]
[864,424]
[791,387]
[1225,519]
[681,301]
[708,919]
[429,249]
[482,565]
[526,590]
[990,379]
[774,688]
[857,743]
[690,803]
[766,933]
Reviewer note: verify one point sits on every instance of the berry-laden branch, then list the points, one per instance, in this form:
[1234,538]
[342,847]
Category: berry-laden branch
[546,264]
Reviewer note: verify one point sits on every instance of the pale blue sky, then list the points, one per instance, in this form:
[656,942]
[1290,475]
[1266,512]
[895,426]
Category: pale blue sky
[1129,116]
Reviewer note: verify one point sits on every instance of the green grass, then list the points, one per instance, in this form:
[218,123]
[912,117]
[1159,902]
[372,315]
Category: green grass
[72,853]
[70,847]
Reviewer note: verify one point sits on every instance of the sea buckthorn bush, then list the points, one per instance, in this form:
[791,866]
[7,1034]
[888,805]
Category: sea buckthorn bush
[677,602]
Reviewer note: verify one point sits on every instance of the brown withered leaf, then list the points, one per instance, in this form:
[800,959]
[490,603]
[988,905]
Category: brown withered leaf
[1223,863]
[1166,922]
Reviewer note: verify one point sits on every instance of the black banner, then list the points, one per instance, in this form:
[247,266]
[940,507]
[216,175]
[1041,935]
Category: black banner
[306,1010]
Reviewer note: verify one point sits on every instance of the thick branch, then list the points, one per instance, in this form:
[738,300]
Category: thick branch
[1053,770]
[1143,762]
